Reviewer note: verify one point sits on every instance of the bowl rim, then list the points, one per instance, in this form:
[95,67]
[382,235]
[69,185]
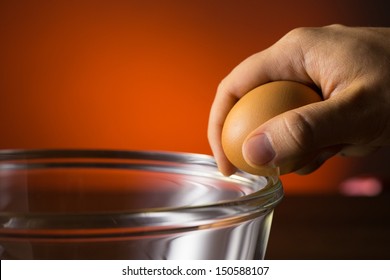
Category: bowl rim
[252,205]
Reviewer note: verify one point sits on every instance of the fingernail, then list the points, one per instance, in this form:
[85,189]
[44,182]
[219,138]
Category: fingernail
[258,150]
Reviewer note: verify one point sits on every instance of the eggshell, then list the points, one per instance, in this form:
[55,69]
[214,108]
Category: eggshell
[256,107]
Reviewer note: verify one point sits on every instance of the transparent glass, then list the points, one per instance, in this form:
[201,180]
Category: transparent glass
[97,204]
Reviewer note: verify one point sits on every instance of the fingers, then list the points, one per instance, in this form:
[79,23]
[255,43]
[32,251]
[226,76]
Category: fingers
[294,137]
[318,161]
[252,72]
[302,139]
[353,81]
[221,106]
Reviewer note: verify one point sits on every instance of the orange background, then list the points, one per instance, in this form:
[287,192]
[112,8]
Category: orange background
[141,74]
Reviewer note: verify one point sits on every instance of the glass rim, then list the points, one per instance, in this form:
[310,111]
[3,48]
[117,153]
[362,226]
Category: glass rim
[250,205]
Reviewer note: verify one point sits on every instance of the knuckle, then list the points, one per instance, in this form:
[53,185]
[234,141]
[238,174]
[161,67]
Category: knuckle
[226,88]
[222,86]
[299,130]
[335,26]
[300,40]
[299,33]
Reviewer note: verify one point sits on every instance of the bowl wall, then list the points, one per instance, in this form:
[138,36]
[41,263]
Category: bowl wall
[80,204]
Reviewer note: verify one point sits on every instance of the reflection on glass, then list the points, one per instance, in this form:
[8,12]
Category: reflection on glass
[130,205]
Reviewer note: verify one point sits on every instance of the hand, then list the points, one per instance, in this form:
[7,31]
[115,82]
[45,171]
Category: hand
[349,66]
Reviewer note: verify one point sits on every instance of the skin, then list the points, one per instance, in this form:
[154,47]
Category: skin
[348,66]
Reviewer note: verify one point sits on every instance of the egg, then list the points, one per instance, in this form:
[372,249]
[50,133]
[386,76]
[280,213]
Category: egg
[255,108]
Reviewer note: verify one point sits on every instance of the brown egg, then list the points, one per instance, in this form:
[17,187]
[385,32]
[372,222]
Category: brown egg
[256,107]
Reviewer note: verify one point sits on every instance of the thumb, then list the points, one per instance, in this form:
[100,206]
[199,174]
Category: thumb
[298,137]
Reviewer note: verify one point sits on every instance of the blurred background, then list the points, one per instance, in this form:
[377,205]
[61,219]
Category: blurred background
[142,75]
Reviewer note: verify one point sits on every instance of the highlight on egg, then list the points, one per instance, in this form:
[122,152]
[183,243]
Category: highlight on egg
[255,108]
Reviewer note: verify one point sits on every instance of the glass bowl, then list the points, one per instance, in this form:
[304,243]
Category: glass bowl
[107,204]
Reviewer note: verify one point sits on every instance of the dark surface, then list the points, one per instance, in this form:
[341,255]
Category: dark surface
[331,227]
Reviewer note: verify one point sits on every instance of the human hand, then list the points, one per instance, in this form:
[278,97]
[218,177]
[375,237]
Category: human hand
[349,66]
